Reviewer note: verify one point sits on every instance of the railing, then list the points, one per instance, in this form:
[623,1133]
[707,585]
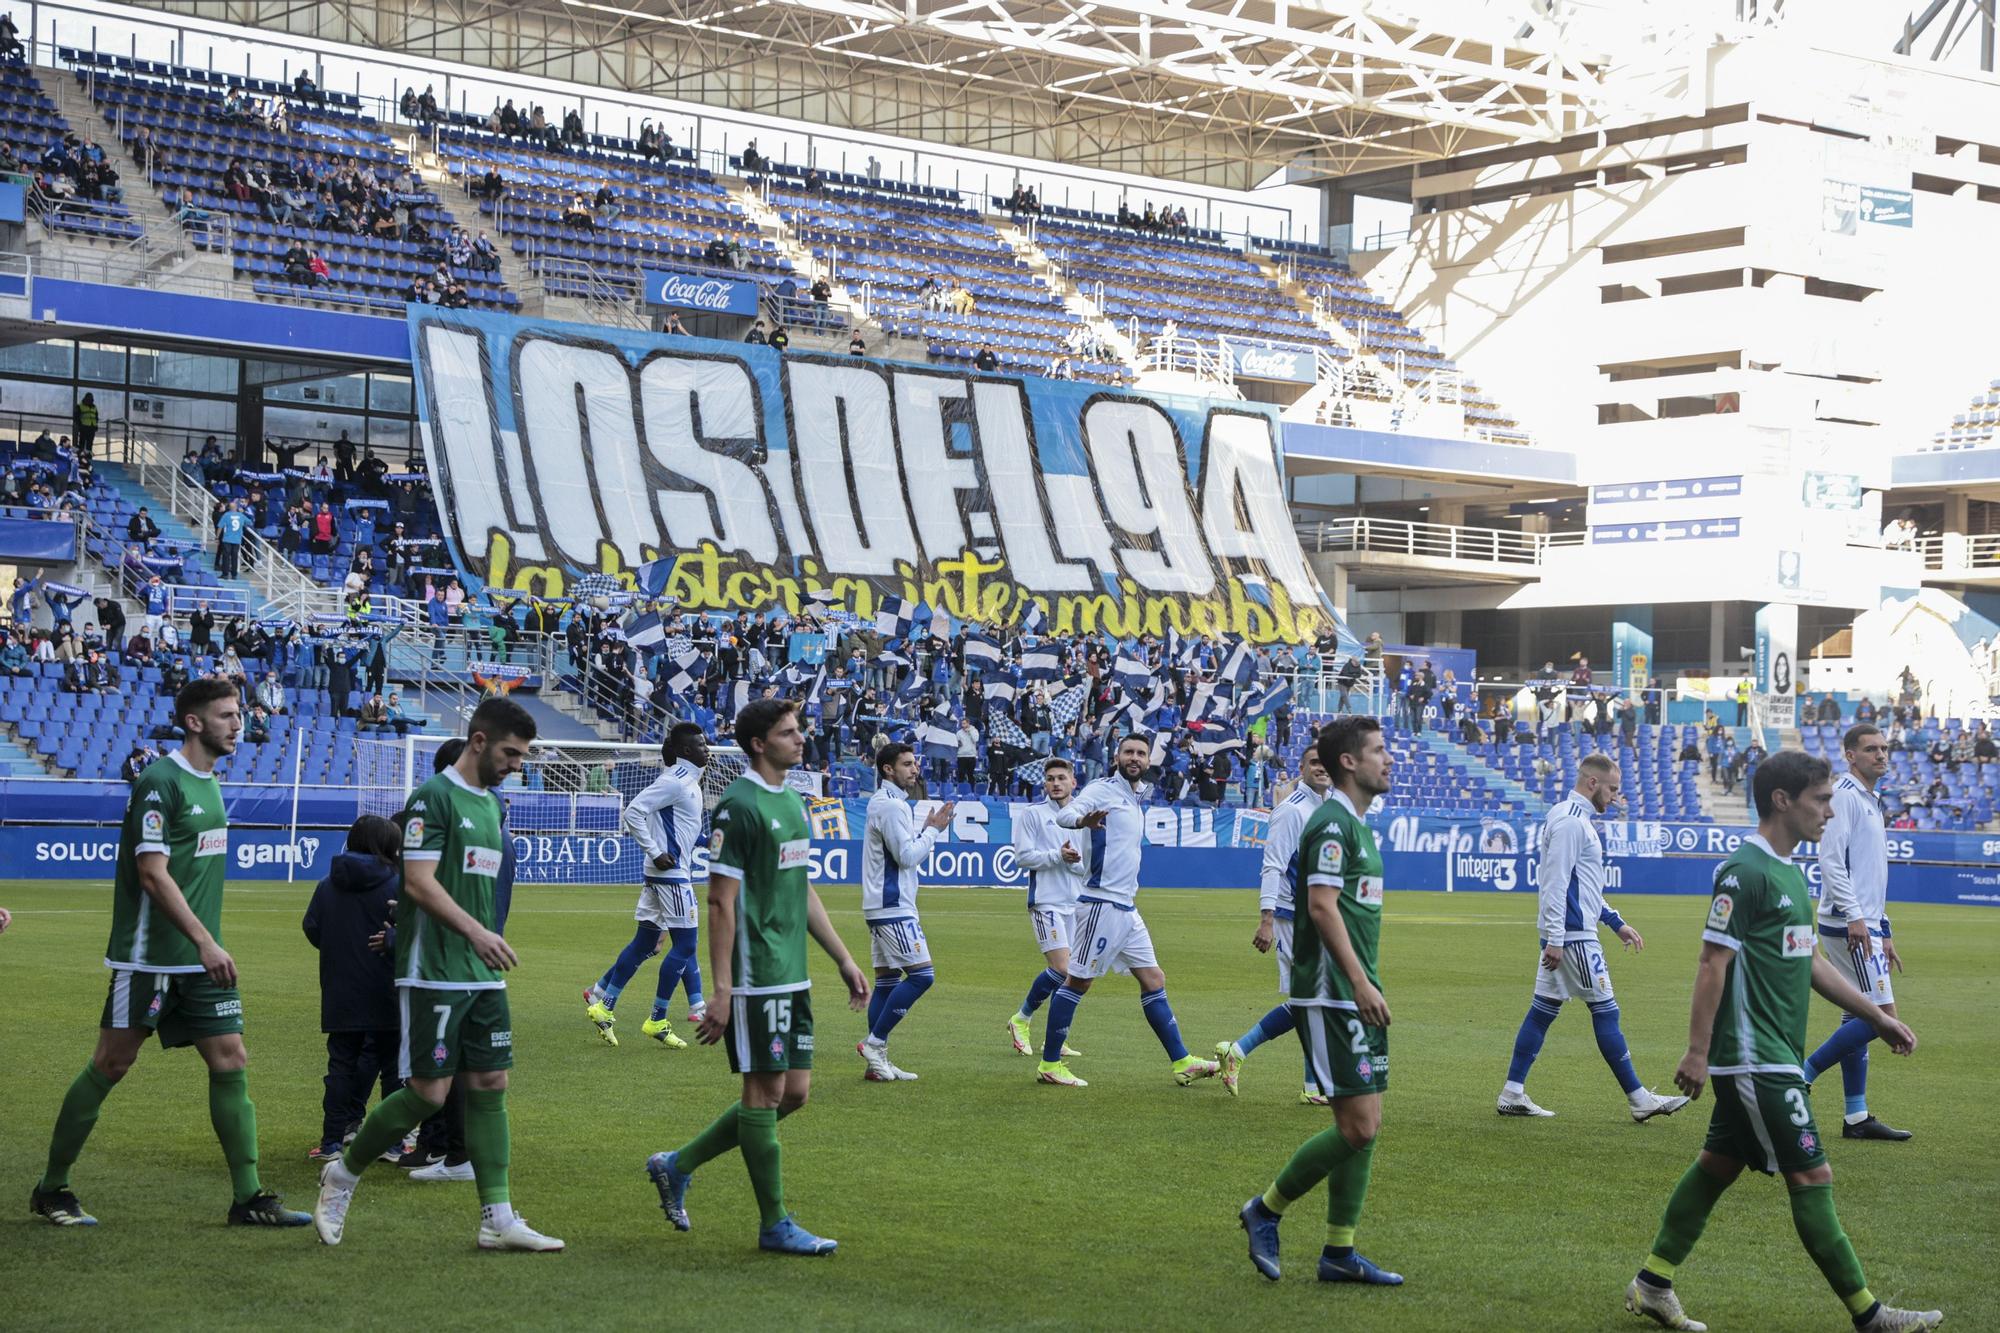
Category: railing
[1443,541]
[1958,551]
[1171,352]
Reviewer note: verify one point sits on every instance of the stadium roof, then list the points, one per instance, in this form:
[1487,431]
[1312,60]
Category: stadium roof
[1220,92]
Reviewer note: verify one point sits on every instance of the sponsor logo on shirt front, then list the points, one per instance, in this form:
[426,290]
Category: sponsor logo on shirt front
[792,854]
[1369,890]
[1800,941]
[481,861]
[212,842]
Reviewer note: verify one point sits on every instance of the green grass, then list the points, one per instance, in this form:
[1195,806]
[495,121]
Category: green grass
[976,1197]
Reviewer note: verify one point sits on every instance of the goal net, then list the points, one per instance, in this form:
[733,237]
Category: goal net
[563,807]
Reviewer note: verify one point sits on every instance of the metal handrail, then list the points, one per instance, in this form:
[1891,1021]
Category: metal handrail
[1444,541]
[1957,550]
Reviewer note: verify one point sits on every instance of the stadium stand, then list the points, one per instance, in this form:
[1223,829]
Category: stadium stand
[69,193]
[1949,793]
[1975,426]
[1657,784]
[915,250]
[321,192]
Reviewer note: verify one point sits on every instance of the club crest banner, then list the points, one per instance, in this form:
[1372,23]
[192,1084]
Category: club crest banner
[774,480]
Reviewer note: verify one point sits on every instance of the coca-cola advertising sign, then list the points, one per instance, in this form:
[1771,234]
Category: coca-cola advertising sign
[703,292]
[1261,361]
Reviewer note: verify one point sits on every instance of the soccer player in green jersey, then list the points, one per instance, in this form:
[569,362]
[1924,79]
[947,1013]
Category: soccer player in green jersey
[449,960]
[761,907]
[169,972]
[1760,964]
[1336,996]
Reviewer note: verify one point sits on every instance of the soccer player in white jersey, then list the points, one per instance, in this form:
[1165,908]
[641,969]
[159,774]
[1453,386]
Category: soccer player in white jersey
[1110,933]
[665,820]
[1056,872]
[892,850]
[1275,904]
[1571,881]
[1854,922]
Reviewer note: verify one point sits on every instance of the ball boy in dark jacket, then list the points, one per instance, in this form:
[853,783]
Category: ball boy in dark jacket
[357,992]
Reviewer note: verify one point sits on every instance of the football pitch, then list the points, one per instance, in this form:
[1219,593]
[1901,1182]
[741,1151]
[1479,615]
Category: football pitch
[975,1197]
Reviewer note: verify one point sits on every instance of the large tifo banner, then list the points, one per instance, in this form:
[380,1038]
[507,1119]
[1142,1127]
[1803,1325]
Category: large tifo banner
[776,480]
[1186,848]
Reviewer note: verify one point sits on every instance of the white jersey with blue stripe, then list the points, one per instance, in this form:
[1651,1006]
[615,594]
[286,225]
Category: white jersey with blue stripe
[1571,875]
[1281,851]
[1038,844]
[1111,861]
[892,849]
[1854,858]
[665,820]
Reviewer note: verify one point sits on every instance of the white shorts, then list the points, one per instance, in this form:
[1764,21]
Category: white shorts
[1110,939]
[1054,926]
[1281,945]
[1869,974]
[667,906]
[1582,976]
[899,943]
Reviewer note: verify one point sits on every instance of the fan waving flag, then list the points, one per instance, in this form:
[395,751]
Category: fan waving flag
[937,739]
[685,671]
[646,632]
[982,649]
[1004,730]
[894,619]
[1270,699]
[1240,665]
[1033,619]
[652,577]
[1212,737]
[1131,673]
[1041,663]
[1067,707]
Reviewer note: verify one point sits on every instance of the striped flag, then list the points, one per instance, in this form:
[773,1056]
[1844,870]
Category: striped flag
[937,739]
[1041,663]
[646,631]
[1213,737]
[1275,695]
[653,576]
[1034,619]
[1131,673]
[982,649]
[1240,665]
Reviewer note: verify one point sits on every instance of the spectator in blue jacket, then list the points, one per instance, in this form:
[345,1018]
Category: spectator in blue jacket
[62,604]
[22,601]
[230,526]
[158,599]
[357,988]
[14,659]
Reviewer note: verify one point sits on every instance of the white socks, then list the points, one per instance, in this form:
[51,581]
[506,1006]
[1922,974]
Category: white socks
[338,1174]
[1514,1089]
[496,1216]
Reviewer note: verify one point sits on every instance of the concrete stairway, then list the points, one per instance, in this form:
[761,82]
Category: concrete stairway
[1074,298]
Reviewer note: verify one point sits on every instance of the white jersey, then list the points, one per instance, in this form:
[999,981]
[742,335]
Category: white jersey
[1854,858]
[892,848]
[1111,862]
[1281,851]
[1571,875]
[665,820]
[1038,844]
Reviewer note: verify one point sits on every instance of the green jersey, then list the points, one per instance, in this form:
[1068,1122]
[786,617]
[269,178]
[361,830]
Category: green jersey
[455,826]
[178,812]
[1337,854]
[761,839]
[1761,910]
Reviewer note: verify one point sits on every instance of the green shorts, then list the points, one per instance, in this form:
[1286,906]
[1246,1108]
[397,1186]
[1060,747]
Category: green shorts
[1764,1121]
[181,1007]
[445,1031]
[1348,1057]
[769,1034]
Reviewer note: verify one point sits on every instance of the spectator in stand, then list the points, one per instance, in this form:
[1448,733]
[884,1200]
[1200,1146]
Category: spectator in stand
[325,528]
[86,426]
[753,160]
[1984,751]
[756,336]
[14,659]
[857,345]
[305,90]
[485,256]
[400,718]
[822,291]
[139,650]
[142,529]
[10,49]
[271,693]
[578,213]
[454,601]
[489,186]
[673,326]
[156,596]
[299,264]
[455,297]
[138,761]
[231,525]
[375,714]
[257,727]
[779,339]
[985,359]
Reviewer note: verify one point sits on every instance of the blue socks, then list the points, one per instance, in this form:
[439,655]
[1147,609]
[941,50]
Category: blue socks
[679,963]
[1161,1015]
[1045,986]
[916,980]
[1062,1012]
[1274,1024]
[1611,1044]
[1528,1041]
[645,939]
[879,1001]
[1848,1048]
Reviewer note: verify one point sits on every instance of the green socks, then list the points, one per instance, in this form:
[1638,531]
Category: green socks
[486,1142]
[757,1136]
[387,1125]
[712,1142]
[74,1123]
[235,1119]
[1819,1228]
[1345,1168]
[1694,1198]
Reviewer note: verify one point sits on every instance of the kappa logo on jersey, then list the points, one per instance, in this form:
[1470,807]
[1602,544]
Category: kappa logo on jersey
[153,797]
[1785,901]
[463,822]
[1722,908]
[413,836]
[1800,941]
[792,854]
[196,810]
[482,861]
[153,826]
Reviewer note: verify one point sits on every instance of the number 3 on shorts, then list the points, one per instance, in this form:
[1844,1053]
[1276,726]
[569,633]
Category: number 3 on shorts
[1796,1097]
[778,1015]
[1357,1037]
